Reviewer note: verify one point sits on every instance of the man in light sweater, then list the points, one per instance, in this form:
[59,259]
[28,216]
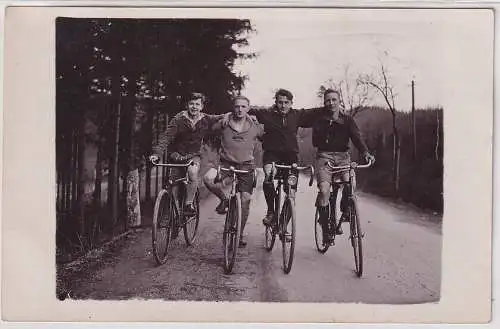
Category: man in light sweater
[238,135]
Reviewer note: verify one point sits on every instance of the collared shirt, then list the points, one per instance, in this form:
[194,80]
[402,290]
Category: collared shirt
[333,135]
[281,128]
[238,146]
[185,134]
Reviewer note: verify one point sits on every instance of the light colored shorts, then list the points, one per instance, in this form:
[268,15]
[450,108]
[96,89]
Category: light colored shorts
[324,173]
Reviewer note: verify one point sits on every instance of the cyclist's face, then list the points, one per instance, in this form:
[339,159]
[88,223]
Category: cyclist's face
[283,103]
[241,108]
[332,101]
[195,106]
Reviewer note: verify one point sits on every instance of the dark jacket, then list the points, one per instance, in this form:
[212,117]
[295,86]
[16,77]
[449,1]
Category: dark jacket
[333,135]
[280,130]
[184,138]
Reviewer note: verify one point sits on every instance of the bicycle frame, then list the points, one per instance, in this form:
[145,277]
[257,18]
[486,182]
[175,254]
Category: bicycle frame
[169,185]
[234,171]
[290,173]
[232,225]
[350,184]
[352,169]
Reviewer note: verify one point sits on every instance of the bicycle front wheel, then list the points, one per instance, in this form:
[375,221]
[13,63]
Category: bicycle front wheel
[321,245]
[356,237]
[162,226]
[191,223]
[288,234]
[231,236]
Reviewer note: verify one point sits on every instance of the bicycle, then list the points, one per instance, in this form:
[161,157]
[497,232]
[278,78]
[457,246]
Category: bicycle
[168,215]
[335,219]
[287,183]
[232,223]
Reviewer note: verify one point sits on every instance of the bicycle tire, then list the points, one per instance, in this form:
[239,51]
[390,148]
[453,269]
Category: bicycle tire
[271,230]
[356,237]
[163,210]
[335,209]
[318,234]
[270,237]
[231,236]
[288,217]
[191,225]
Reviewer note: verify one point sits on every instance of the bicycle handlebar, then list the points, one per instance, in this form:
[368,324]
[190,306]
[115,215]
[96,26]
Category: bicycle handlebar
[352,165]
[296,167]
[232,169]
[190,163]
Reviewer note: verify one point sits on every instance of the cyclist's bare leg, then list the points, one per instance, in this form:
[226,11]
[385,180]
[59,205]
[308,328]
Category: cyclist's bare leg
[245,211]
[269,193]
[216,188]
[192,185]
[324,193]
[323,196]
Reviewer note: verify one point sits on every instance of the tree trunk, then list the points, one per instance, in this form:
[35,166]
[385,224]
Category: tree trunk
[81,178]
[436,149]
[395,154]
[398,157]
[149,143]
[114,181]
[131,176]
[133,200]
[98,178]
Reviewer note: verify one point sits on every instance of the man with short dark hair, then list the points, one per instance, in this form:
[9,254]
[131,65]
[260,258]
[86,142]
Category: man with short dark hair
[279,142]
[332,131]
[183,138]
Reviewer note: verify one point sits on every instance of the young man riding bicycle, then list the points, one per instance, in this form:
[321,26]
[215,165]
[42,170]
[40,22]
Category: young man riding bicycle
[182,139]
[332,131]
[281,123]
[238,132]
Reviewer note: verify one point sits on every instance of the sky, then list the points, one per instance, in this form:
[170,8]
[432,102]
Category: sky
[301,53]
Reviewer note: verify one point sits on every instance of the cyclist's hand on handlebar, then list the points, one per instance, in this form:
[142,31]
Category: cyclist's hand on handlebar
[369,158]
[176,156]
[154,158]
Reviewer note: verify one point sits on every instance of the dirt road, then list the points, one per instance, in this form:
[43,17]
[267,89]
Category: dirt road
[402,252]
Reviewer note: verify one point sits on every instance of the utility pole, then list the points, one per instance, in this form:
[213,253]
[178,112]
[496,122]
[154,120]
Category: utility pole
[413,129]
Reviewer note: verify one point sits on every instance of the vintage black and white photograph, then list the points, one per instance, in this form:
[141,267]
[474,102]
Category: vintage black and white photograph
[247,164]
[263,160]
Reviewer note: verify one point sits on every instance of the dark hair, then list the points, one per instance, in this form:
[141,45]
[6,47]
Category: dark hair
[195,96]
[235,98]
[329,91]
[283,92]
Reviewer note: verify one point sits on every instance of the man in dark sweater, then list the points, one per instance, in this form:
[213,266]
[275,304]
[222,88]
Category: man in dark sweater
[281,123]
[332,131]
[183,138]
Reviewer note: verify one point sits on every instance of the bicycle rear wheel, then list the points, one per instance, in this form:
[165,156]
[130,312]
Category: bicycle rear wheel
[288,233]
[162,226]
[191,223]
[231,236]
[356,237]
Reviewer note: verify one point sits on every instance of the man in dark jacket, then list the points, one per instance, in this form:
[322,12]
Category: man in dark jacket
[281,123]
[183,138]
[332,131]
